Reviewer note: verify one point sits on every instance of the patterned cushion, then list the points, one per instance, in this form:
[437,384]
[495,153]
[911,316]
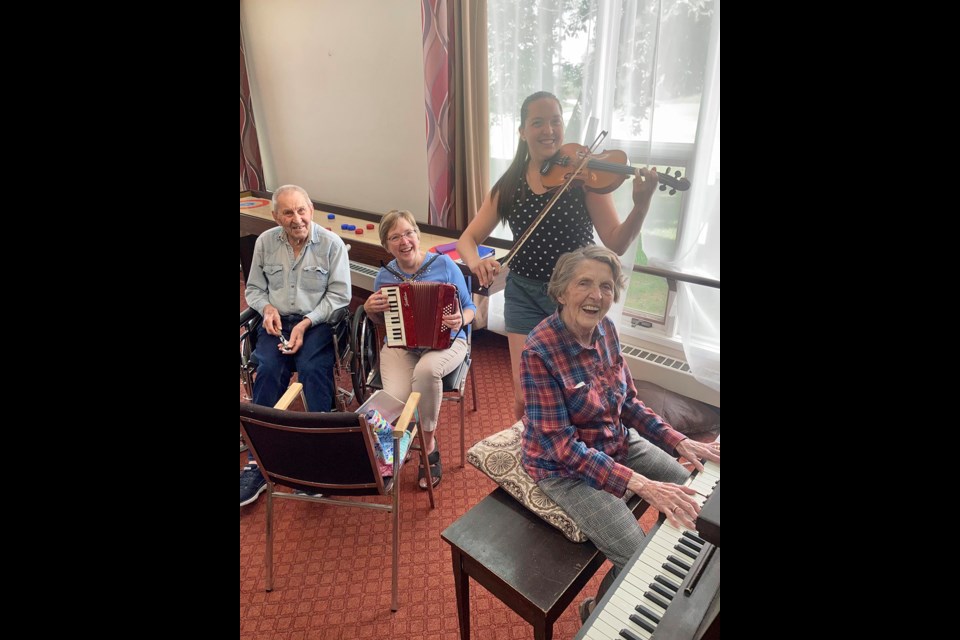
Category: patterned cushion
[499,457]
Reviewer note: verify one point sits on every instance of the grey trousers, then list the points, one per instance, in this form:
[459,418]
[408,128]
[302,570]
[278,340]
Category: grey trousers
[605,518]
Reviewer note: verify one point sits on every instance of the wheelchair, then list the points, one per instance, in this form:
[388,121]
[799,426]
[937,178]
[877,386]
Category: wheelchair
[365,343]
[343,354]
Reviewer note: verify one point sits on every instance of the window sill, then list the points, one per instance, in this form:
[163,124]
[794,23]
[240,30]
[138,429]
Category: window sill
[651,340]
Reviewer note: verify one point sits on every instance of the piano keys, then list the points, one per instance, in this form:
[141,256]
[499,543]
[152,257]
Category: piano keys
[392,317]
[670,588]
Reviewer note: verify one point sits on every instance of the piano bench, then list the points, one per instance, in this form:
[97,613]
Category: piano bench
[530,566]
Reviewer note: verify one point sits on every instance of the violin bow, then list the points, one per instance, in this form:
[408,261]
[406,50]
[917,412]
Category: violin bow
[543,214]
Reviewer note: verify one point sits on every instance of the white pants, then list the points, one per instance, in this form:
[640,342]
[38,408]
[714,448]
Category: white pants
[405,370]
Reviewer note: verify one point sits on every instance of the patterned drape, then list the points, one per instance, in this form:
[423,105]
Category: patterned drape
[438,29]
[251,167]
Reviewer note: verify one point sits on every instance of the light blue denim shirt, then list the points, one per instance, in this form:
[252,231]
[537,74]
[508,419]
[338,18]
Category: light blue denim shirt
[315,284]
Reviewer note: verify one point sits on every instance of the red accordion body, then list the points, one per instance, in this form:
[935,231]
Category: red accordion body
[415,317]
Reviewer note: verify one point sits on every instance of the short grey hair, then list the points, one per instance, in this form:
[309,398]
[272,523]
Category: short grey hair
[569,262]
[290,187]
[390,220]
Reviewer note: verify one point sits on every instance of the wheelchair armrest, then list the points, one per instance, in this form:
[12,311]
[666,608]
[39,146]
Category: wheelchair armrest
[247,315]
[338,316]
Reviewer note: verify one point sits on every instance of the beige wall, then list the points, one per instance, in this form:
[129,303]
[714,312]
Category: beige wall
[338,98]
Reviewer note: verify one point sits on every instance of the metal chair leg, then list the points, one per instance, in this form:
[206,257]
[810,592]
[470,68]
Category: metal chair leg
[394,604]
[473,383]
[463,431]
[269,559]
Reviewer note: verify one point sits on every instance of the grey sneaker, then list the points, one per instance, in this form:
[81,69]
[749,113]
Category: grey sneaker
[304,493]
[252,484]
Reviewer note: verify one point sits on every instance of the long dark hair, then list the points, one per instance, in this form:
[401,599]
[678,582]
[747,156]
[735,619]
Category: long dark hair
[506,186]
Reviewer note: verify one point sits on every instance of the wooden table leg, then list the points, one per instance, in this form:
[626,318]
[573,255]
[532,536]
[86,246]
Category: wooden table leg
[462,583]
[543,630]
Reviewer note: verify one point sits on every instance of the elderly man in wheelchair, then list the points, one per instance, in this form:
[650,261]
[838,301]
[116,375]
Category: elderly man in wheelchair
[299,281]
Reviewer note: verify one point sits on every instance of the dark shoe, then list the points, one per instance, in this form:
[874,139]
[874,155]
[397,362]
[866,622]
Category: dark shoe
[252,484]
[436,470]
[586,608]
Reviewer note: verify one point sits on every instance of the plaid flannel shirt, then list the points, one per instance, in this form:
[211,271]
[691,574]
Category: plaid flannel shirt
[579,403]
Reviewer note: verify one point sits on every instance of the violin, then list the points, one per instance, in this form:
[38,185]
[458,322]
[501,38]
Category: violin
[603,172]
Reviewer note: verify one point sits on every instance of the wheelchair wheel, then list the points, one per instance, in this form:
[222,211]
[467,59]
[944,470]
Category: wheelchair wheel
[366,353]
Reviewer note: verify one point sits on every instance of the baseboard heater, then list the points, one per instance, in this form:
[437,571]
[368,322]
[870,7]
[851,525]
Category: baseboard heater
[362,275]
[668,372]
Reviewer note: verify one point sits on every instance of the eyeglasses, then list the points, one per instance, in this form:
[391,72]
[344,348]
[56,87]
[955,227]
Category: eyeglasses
[409,235]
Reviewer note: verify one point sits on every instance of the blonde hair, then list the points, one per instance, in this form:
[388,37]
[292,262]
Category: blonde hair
[390,220]
[567,265]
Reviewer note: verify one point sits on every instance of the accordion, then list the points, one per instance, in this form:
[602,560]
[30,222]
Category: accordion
[415,317]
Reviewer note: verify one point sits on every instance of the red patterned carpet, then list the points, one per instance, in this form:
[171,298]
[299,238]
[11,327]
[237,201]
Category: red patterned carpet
[332,564]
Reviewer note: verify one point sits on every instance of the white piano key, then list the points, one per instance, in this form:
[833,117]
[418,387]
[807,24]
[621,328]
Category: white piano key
[604,629]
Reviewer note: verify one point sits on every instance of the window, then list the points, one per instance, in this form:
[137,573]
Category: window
[634,68]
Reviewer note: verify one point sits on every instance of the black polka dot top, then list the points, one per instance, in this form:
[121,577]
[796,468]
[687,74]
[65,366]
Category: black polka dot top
[566,228]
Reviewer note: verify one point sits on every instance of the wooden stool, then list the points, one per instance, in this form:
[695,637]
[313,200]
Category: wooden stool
[521,560]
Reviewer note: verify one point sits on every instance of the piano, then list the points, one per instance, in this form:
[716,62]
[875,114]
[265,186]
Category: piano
[670,588]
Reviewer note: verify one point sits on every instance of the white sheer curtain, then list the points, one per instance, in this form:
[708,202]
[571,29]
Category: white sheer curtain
[697,308]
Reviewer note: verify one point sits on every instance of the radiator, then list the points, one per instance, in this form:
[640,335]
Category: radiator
[668,372]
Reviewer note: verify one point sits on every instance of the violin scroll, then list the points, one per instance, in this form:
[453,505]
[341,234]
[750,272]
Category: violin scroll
[675,181]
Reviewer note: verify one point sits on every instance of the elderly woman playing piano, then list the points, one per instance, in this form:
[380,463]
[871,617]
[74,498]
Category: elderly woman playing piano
[587,438]
[406,370]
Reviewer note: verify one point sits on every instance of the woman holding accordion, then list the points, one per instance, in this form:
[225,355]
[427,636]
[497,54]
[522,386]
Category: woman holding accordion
[419,369]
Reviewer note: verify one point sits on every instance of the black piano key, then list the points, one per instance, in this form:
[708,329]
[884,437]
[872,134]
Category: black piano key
[694,537]
[629,635]
[647,612]
[662,590]
[664,580]
[674,570]
[690,543]
[685,551]
[657,600]
[680,563]
[640,622]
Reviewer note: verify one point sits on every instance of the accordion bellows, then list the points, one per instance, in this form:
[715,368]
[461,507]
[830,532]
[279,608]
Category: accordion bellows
[414,319]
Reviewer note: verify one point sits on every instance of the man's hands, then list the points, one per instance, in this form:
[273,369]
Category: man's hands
[273,326]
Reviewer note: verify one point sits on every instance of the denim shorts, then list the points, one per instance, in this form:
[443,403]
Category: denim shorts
[525,303]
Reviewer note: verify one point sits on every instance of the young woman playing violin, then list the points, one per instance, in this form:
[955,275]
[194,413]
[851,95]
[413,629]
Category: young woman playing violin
[517,198]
